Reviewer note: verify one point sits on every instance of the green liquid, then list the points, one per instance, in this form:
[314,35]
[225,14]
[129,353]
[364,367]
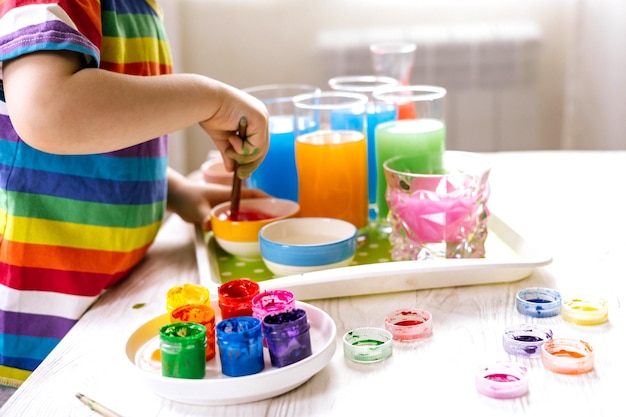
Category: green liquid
[423,138]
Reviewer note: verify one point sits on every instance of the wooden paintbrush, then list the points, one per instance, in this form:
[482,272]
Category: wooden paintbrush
[97,407]
[236,193]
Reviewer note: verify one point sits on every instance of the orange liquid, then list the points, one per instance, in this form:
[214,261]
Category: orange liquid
[332,176]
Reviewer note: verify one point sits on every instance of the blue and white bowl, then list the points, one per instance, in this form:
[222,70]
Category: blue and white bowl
[304,244]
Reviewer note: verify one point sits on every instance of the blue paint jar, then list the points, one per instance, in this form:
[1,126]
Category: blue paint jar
[288,337]
[240,343]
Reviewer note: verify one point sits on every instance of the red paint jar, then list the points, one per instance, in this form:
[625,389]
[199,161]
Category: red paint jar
[235,297]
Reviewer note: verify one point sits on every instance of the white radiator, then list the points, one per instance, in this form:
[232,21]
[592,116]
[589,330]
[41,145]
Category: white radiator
[488,70]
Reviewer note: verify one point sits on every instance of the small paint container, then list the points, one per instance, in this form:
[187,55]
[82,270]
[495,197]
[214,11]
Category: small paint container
[288,337]
[367,344]
[409,324]
[201,314]
[235,297]
[502,380]
[538,302]
[272,302]
[525,339]
[240,344]
[186,294]
[585,310]
[183,350]
[567,356]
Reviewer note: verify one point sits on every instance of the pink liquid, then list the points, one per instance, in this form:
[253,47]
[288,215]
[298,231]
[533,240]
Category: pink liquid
[246,215]
[447,219]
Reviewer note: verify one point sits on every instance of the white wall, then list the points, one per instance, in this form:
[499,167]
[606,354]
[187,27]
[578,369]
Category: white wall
[253,42]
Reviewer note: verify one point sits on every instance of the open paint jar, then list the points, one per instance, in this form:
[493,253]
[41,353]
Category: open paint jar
[184,294]
[183,350]
[201,314]
[288,337]
[235,297]
[240,343]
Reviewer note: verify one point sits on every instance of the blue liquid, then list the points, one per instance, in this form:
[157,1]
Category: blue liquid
[277,175]
[349,121]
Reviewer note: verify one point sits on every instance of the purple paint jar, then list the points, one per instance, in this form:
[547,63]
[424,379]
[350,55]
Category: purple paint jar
[288,337]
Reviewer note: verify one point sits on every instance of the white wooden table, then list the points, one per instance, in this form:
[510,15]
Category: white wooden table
[571,202]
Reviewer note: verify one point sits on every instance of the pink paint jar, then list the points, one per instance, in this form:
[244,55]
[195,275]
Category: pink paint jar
[272,302]
[407,325]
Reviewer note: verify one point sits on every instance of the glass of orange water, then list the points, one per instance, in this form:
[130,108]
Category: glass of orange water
[332,160]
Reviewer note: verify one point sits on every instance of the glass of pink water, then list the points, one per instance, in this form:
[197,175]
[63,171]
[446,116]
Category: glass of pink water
[438,213]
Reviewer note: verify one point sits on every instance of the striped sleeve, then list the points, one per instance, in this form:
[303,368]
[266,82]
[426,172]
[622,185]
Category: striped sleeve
[35,25]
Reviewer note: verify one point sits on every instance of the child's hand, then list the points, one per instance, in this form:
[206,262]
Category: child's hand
[193,201]
[224,124]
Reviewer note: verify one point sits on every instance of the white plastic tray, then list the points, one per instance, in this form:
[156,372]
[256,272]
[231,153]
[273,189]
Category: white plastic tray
[219,389]
[509,257]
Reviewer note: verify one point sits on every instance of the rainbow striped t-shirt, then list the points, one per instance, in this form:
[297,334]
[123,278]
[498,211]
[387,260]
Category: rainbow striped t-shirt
[73,225]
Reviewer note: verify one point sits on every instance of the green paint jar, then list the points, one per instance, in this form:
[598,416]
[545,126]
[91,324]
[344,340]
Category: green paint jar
[183,350]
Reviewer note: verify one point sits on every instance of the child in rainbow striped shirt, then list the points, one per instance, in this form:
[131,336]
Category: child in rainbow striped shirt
[87,97]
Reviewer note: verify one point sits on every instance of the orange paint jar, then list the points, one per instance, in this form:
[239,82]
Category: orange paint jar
[201,314]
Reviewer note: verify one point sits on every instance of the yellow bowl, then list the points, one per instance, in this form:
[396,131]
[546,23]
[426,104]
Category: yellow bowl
[241,237]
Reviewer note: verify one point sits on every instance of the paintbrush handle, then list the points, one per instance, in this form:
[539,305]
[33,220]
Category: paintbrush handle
[95,406]
[236,192]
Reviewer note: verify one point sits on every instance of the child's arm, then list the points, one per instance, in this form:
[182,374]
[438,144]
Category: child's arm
[58,105]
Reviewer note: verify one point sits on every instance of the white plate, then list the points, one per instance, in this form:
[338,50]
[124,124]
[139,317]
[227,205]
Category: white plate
[509,257]
[219,389]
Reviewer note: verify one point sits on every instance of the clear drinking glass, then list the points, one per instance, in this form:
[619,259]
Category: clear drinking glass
[418,129]
[438,212]
[277,174]
[332,160]
[376,113]
[393,59]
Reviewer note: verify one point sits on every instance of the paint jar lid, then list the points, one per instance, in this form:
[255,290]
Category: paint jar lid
[367,344]
[567,356]
[409,324]
[538,302]
[525,339]
[502,380]
[586,310]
